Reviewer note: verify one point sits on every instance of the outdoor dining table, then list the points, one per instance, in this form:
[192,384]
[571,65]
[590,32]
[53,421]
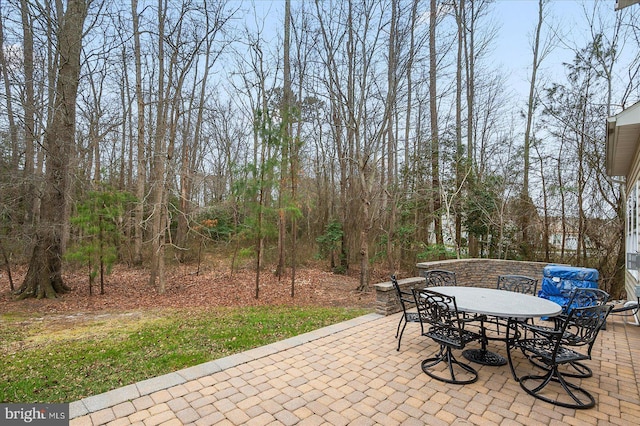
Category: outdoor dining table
[501,304]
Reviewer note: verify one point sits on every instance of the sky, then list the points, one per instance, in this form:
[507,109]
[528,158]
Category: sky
[518,19]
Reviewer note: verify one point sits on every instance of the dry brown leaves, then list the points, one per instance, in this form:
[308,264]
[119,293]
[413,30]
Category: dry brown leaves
[128,289]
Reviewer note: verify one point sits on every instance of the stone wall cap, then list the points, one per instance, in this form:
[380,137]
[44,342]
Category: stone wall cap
[385,286]
[388,286]
[425,265]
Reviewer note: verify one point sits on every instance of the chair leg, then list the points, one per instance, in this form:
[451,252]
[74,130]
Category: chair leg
[510,362]
[400,336]
[574,369]
[511,345]
[582,370]
[399,324]
[445,355]
[582,399]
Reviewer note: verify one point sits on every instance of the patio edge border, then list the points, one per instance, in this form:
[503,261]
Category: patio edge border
[123,394]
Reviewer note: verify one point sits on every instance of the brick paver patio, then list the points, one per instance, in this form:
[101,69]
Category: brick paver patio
[351,374]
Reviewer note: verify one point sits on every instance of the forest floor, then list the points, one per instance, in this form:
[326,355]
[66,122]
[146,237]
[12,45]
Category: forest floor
[128,289]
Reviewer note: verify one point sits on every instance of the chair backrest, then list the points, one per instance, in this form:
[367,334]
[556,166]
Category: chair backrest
[518,284]
[439,277]
[581,297]
[403,297]
[438,310]
[583,325]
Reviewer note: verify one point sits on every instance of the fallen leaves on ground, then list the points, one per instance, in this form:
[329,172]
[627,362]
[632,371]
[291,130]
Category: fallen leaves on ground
[128,289]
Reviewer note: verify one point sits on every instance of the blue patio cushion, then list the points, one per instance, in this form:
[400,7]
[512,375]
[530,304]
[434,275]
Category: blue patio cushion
[563,287]
[570,273]
[560,280]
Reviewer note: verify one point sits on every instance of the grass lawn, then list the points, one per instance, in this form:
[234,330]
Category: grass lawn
[62,359]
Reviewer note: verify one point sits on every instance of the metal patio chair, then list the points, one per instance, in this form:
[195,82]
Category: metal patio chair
[580,297]
[556,348]
[442,322]
[406,299]
[439,277]
[630,308]
[516,283]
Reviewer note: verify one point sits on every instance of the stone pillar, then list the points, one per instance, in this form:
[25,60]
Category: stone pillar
[387,302]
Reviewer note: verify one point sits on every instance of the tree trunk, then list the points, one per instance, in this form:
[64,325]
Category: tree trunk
[140,169]
[460,16]
[525,201]
[158,226]
[285,134]
[7,264]
[29,112]
[13,130]
[545,208]
[433,107]
[44,276]
[390,183]
[365,229]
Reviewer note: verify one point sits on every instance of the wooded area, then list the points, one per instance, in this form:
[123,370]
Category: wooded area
[371,133]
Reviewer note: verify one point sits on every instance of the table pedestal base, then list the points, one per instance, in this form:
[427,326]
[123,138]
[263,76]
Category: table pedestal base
[484,357]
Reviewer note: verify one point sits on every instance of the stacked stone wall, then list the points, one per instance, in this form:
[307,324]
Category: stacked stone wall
[469,272]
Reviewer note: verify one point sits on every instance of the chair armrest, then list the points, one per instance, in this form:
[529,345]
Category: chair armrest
[540,331]
[628,306]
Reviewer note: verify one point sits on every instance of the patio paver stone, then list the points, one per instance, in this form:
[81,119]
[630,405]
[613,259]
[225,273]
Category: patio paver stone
[351,374]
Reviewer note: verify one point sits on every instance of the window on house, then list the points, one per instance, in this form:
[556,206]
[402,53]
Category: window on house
[632,224]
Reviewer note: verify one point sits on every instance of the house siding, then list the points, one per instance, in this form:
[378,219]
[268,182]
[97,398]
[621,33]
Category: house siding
[630,281]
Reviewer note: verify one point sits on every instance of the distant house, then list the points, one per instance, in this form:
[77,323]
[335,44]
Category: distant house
[563,235]
[623,160]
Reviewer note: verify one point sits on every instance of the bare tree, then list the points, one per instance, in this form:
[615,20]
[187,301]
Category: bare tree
[13,129]
[140,137]
[460,165]
[44,276]
[29,108]
[350,37]
[159,163]
[285,114]
[539,54]
[211,25]
[435,134]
